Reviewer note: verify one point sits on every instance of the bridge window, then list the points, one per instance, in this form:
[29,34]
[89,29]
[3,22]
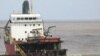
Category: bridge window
[22,18]
[30,18]
[34,18]
[26,18]
[18,18]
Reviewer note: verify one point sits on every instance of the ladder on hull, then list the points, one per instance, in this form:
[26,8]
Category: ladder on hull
[18,49]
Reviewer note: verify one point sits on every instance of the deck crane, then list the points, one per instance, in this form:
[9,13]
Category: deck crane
[6,29]
[6,26]
[46,33]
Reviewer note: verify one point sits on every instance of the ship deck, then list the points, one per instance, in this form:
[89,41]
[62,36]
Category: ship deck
[38,47]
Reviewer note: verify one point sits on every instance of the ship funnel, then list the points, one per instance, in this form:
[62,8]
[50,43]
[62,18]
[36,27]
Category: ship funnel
[25,7]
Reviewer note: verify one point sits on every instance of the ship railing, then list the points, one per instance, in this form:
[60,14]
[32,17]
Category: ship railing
[61,52]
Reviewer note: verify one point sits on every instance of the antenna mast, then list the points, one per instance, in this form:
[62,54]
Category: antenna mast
[31,6]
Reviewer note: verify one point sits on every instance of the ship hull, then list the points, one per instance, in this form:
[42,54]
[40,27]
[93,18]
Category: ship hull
[36,47]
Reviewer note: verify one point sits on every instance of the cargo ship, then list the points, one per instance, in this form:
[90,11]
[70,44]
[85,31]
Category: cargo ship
[25,35]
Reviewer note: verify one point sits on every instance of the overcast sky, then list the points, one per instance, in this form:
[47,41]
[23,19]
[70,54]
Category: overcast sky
[75,10]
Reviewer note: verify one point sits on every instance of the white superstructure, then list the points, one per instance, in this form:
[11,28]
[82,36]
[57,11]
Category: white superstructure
[26,24]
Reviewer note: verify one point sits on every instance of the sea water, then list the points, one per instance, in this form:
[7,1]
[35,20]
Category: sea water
[80,38]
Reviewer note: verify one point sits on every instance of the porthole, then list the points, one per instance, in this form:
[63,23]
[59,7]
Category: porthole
[25,25]
[25,31]
[38,24]
[33,24]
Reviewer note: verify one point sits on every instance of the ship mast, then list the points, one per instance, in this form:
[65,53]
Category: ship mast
[31,6]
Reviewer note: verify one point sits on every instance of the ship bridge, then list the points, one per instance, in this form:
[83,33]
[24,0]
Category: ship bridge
[23,25]
[24,18]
